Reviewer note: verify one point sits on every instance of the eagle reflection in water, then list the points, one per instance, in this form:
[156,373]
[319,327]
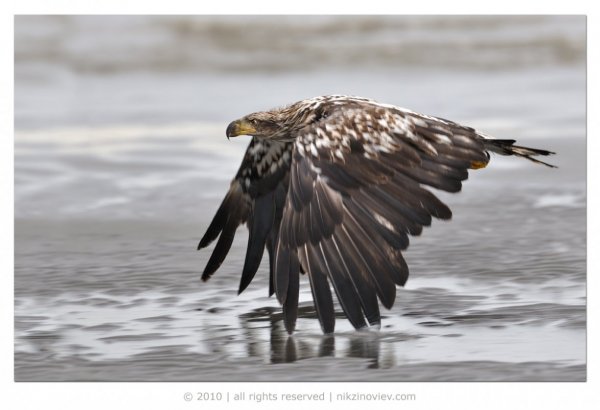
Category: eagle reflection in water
[284,349]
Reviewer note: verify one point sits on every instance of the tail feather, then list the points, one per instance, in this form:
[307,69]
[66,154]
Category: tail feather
[507,147]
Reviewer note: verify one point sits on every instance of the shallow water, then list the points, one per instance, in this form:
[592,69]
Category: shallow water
[115,186]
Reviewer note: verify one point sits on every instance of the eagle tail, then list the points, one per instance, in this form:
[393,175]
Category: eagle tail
[507,147]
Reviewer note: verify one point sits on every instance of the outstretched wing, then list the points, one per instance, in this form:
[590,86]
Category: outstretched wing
[356,191]
[256,197]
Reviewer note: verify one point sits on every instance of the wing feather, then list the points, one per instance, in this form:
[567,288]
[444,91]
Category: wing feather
[290,306]
[342,283]
[287,284]
[323,300]
[378,268]
[226,223]
[256,197]
[358,189]
[260,226]
[366,293]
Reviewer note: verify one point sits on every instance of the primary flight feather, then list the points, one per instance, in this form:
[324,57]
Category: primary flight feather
[333,186]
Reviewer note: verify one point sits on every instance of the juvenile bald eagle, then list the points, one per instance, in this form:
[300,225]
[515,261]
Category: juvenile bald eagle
[333,186]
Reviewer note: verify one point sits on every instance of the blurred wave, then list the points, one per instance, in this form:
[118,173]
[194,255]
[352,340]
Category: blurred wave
[96,44]
[91,70]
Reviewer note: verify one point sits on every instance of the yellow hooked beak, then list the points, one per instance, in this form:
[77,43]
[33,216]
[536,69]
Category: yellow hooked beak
[240,127]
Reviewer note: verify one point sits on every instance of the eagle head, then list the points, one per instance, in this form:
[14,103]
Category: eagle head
[279,124]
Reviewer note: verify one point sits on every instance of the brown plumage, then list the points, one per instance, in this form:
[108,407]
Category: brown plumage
[333,186]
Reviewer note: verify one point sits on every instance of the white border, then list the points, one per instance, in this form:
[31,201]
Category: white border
[170,395]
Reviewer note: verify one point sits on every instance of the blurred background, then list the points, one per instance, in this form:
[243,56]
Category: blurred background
[121,161]
[99,70]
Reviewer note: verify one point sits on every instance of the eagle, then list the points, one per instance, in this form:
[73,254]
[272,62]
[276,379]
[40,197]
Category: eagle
[332,187]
